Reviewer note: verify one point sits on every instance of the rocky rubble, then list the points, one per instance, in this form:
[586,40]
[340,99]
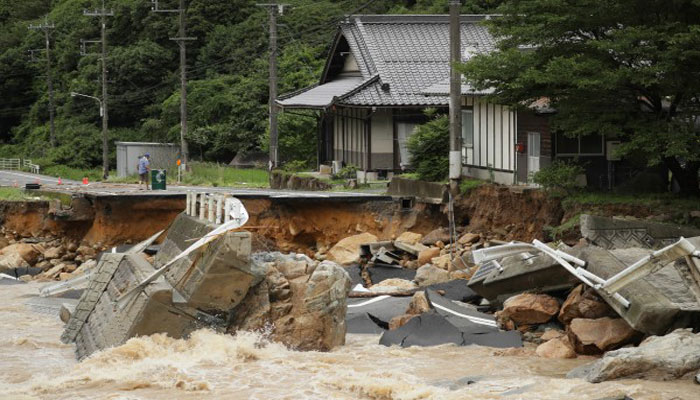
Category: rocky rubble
[45,259]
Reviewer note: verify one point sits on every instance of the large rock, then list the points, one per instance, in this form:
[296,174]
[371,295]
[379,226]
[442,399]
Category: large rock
[419,304]
[11,261]
[529,309]
[53,252]
[595,336]
[673,356]
[393,285]
[438,235]
[469,238]
[306,313]
[584,303]
[28,252]
[559,347]
[409,238]
[430,275]
[425,256]
[347,251]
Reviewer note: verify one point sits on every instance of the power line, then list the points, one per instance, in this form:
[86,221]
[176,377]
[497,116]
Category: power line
[47,28]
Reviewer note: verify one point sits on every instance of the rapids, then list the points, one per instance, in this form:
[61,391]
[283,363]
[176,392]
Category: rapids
[34,364]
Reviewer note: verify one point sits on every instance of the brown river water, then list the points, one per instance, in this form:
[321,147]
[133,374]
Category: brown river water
[34,364]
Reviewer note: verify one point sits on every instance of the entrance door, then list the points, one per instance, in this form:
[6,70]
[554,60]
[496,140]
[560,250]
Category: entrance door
[533,153]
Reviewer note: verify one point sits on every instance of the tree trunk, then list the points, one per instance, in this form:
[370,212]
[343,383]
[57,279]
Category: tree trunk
[686,176]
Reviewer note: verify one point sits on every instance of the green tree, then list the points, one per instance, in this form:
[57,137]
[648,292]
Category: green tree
[429,147]
[622,68]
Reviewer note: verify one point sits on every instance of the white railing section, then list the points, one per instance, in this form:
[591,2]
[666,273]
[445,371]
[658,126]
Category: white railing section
[214,208]
[17,164]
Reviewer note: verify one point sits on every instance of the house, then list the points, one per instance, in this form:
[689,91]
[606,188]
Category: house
[373,91]
[383,71]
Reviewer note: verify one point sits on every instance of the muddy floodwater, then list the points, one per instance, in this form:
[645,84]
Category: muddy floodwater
[34,364]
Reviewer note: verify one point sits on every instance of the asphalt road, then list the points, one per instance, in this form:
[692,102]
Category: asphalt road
[20,179]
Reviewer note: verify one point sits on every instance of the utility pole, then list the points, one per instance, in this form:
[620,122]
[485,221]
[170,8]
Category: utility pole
[274,9]
[181,40]
[455,95]
[103,14]
[46,28]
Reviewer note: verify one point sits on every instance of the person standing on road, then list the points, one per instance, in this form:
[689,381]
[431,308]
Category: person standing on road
[144,169]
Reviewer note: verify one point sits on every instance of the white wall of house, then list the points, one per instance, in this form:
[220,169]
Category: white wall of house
[489,149]
[382,133]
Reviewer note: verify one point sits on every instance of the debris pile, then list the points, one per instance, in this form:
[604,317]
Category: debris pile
[298,301]
[45,259]
[567,301]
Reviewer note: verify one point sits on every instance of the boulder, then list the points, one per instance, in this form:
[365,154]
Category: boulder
[393,285]
[306,313]
[584,303]
[558,347]
[419,304]
[29,252]
[469,238]
[400,320]
[461,274]
[53,252]
[53,272]
[87,251]
[425,256]
[528,309]
[550,334]
[442,262]
[667,357]
[438,235]
[410,238]
[429,275]
[596,336]
[11,261]
[347,251]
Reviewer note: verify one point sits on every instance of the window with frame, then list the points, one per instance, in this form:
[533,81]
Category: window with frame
[468,127]
[581,145]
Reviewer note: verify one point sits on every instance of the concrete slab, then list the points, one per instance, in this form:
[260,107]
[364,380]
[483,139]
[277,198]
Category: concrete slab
[613,233]
[660,302]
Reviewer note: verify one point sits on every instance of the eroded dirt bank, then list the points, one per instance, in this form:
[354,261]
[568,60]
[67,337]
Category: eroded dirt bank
[303,226]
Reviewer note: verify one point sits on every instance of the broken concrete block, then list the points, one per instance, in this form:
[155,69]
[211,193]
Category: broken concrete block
[499,280]
[558,347]
[667,357]
[663,301]
[379,273]
[347,251]
[413,249]
[529,309]
[612,233]
[373,315]
[596,336]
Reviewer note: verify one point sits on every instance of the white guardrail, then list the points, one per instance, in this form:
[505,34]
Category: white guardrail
[17,164]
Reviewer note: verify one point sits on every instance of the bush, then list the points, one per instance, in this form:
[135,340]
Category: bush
[561,175]
[295,166]
[430,147]
[347,172]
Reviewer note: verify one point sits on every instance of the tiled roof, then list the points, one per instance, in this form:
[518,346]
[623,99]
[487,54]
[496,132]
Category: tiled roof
[401,56]
[442,88]
[320,96]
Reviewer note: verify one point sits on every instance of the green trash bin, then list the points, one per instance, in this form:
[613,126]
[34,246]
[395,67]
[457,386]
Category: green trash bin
[158,179]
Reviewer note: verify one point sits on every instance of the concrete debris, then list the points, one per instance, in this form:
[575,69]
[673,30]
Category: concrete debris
[673,356]
[616,233]
[374,315]
[432,329]
[220,286]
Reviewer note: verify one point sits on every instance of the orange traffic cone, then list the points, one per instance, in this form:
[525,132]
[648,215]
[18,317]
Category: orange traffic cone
[59,181]
[85,181]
